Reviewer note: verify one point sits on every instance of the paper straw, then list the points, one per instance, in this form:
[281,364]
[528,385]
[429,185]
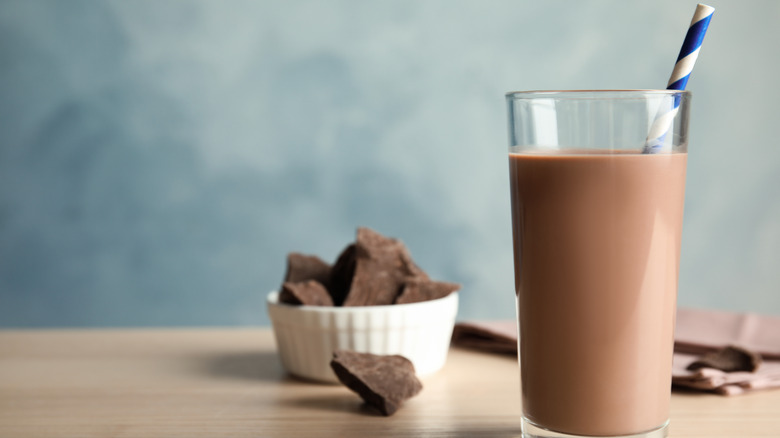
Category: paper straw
[679,79]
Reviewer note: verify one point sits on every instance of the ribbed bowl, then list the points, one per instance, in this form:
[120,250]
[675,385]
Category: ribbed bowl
[306,336]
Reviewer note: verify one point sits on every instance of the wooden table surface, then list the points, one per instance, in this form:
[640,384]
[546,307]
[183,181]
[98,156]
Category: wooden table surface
[228,382]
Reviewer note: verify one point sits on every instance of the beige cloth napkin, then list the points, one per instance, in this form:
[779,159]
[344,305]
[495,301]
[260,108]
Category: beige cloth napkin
[697,332]
[489,336]
[702,331]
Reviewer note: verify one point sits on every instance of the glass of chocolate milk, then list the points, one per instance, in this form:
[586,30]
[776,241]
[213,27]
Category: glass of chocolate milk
[596,222]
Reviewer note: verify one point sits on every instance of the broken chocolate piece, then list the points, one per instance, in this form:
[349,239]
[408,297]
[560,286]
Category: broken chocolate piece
[416,290]
[302,267]
[384,382]
[382,266]
[730,358]
[341,275]
[309,293]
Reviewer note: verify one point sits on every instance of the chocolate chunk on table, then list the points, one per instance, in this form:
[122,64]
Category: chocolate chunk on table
[382,266]
[730,358]
[384,382]
[418,289]
[302,267]
[310,293]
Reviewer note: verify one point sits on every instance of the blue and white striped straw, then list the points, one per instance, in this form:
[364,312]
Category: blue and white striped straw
[679,79]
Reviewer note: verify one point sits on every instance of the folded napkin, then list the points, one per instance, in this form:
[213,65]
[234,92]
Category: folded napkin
[697,333]
[489,336]
[701,331]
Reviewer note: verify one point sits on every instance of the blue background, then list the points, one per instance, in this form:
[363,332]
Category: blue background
[159,159]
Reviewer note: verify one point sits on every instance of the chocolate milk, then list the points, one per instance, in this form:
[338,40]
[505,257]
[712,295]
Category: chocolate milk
[597,244]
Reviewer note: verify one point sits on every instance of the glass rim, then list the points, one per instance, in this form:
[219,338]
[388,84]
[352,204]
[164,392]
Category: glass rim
[594,94]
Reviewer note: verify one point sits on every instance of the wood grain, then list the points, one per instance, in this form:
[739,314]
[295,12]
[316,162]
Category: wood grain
[228,382]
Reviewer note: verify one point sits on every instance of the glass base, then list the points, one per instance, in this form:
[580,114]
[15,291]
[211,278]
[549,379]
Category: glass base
[531,430]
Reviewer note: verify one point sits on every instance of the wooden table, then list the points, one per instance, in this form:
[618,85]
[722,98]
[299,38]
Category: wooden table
[228,382]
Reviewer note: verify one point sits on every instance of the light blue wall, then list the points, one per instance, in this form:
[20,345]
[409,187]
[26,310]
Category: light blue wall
[159,159]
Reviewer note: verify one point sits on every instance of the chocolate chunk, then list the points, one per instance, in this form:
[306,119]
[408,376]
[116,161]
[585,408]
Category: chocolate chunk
[341,275]
[731,358]
[418,289]
[310,293]
[382,266]
[384,382]
[302,267]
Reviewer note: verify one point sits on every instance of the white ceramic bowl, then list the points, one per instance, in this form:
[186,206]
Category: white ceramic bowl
[306,336]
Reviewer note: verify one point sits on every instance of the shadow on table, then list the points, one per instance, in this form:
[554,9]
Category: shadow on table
[483,433]
[261,365]
[346,402]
